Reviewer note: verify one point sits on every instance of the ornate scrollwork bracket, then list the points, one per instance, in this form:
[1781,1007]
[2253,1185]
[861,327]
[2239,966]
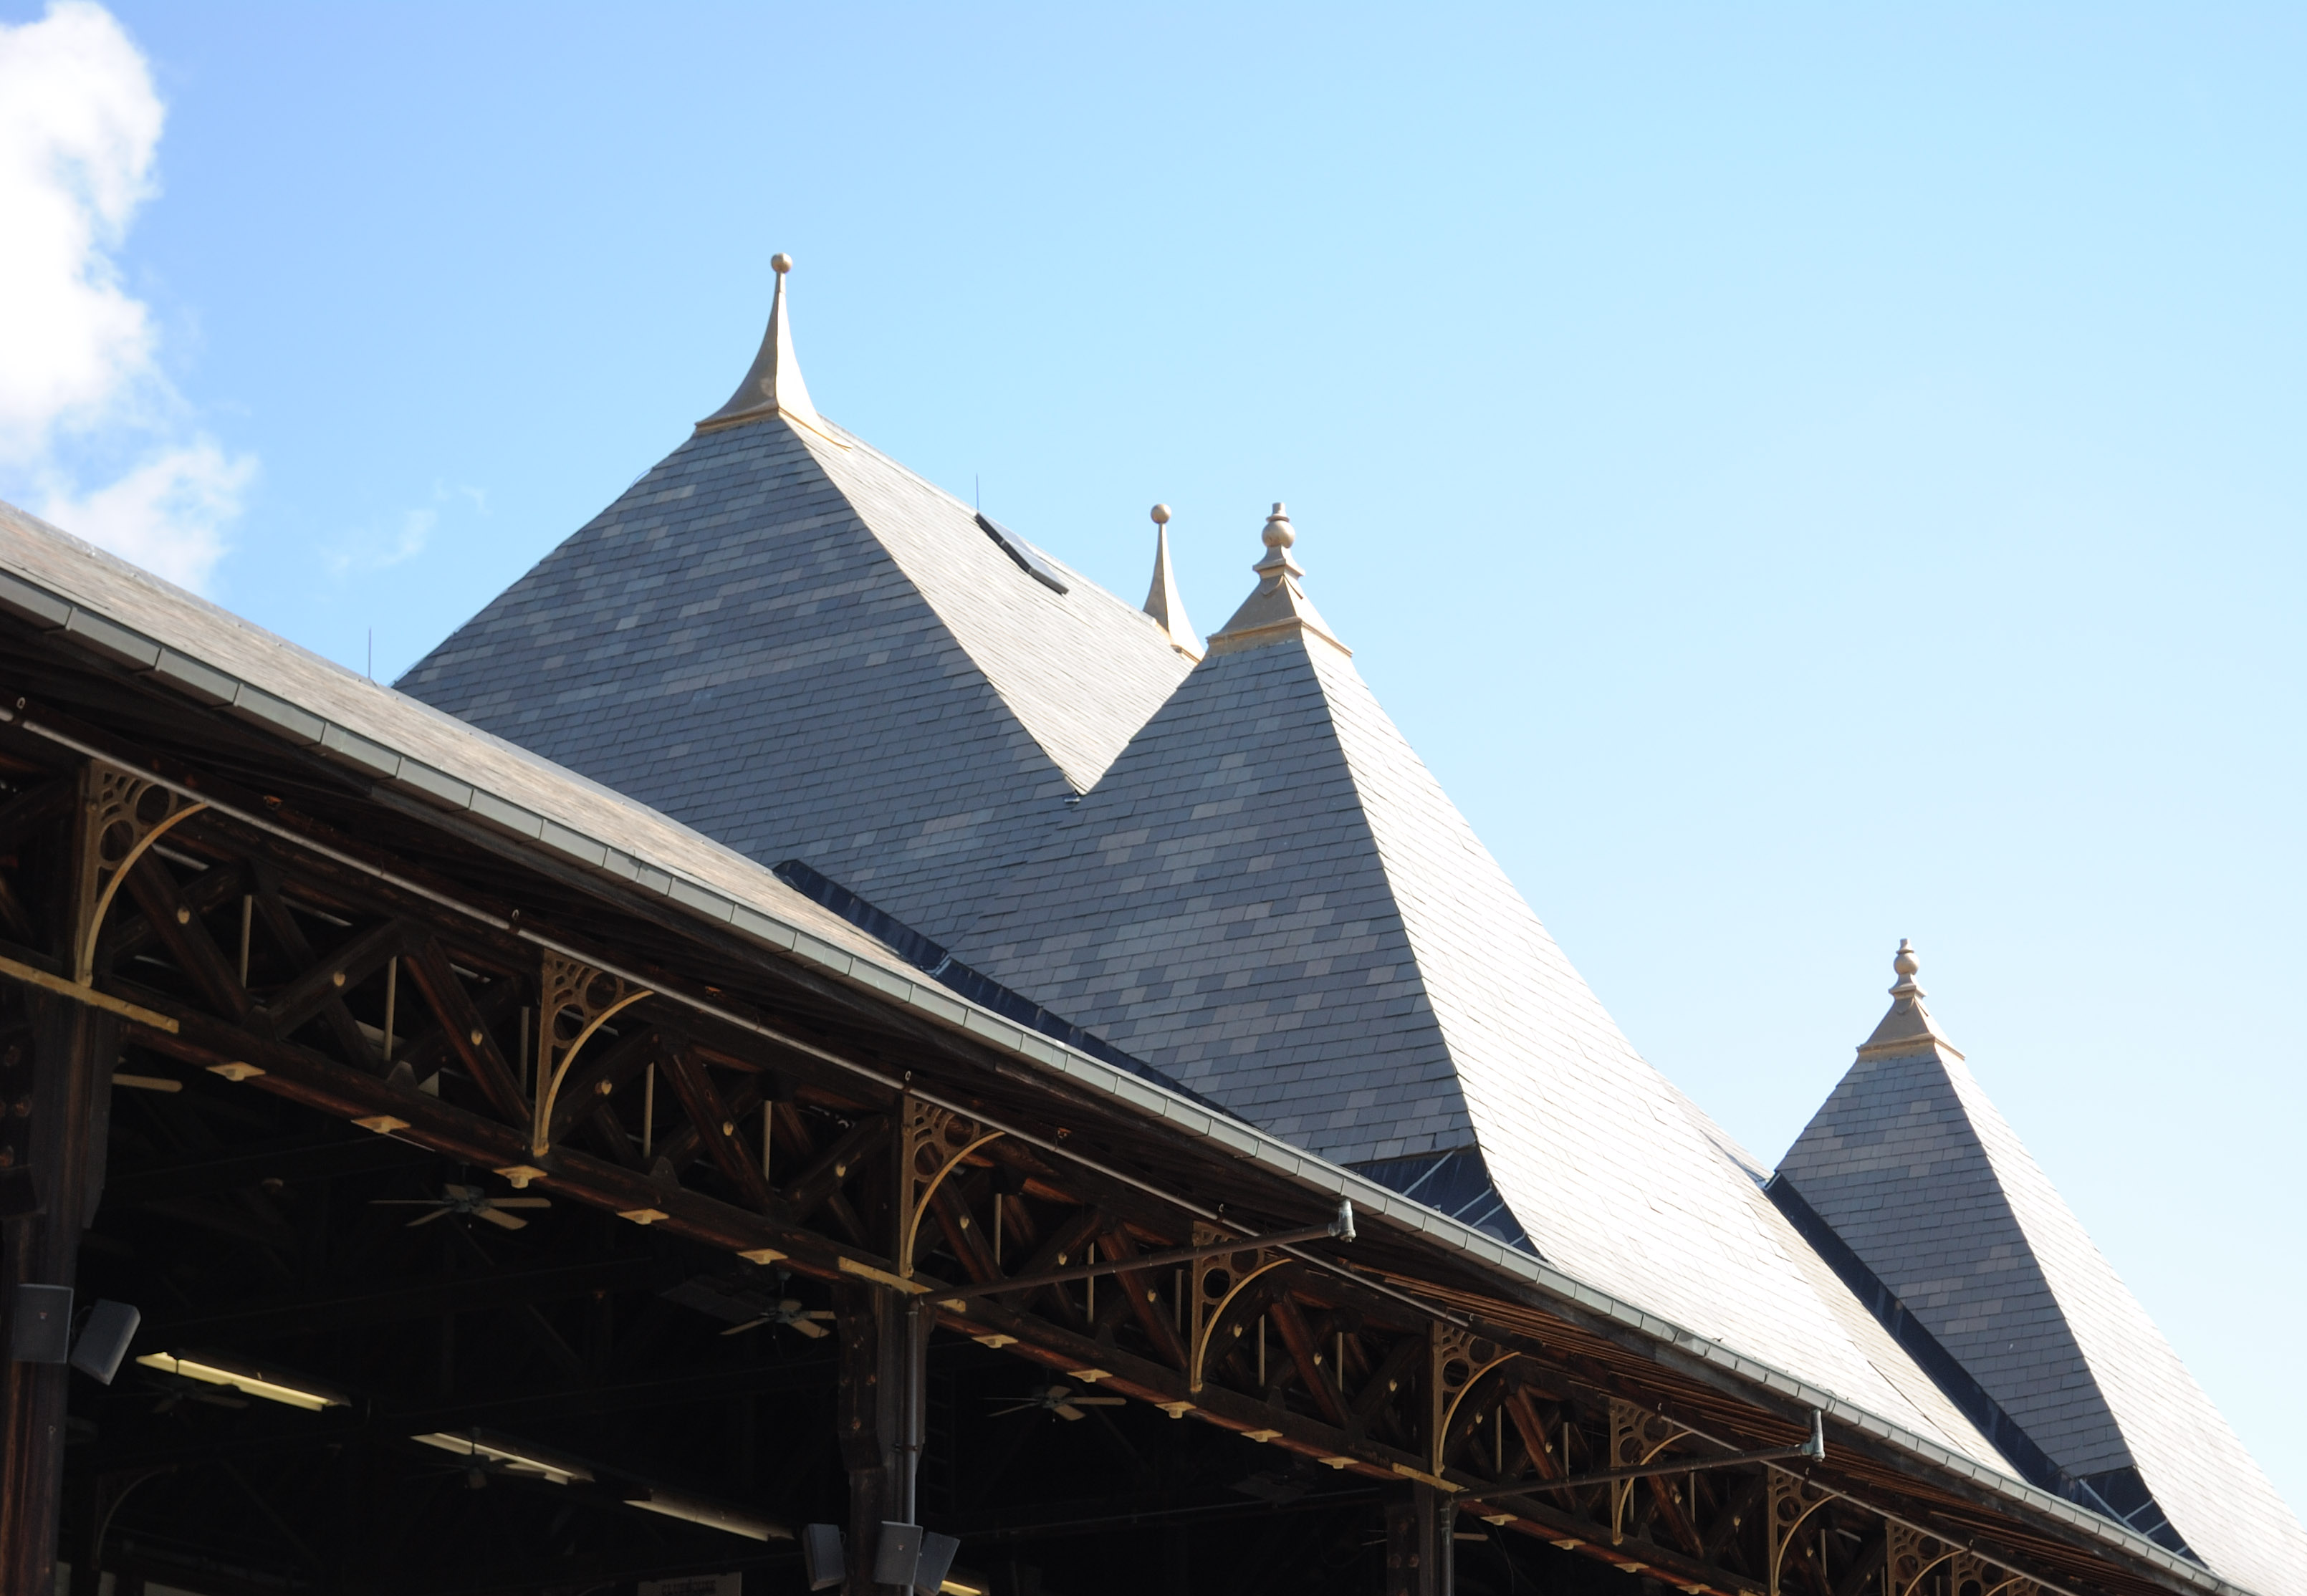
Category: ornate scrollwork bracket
[1908,1556]
[575,1001]
[1637,1435]
[1217,1282]
[1793,1499]
[934,1142]
[122,815]
[1456,1361]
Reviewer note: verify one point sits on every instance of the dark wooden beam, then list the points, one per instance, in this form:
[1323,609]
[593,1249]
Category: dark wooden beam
[466,1030]
[177,926]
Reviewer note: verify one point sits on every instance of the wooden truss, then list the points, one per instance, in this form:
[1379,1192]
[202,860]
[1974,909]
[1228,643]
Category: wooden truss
[665,1080]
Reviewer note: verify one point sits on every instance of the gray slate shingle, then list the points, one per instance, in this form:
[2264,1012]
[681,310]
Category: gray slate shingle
[1918,1172]
[1270,898]
[803,650]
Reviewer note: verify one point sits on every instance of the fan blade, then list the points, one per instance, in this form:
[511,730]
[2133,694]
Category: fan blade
[821,1313]
[1065,1410]
[748,1325]
[1023,1407]
[520,1202]
[1101,1402]
[405,1203]
[429,1218]
[813,1331]
[505,1222]
[451,1188]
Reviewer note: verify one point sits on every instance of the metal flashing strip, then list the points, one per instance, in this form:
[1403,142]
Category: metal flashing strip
[215,688]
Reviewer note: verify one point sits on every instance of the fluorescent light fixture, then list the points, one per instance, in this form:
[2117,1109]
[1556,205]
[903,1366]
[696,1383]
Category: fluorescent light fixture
[515,1457]
[246,1377]
[973,1585]
[713,1515]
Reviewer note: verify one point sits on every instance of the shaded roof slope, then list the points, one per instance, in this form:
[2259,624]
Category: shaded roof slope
[1921,1177]
[782,638]
[1270,898]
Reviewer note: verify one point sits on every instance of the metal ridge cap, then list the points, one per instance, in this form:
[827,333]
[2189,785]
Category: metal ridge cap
[951,1009]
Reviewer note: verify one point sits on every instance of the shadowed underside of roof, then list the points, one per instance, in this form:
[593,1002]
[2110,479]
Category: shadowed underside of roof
[1918,1175]
[779,638]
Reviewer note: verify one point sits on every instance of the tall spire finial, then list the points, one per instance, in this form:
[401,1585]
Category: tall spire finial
[773,387]
[1162,602]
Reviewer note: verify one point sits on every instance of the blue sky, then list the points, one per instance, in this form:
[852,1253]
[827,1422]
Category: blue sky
[1803,477]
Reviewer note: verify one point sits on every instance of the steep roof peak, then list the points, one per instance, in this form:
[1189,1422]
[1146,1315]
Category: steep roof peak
[1909,1026]
[1161,601]
[1278,608]
[773,387]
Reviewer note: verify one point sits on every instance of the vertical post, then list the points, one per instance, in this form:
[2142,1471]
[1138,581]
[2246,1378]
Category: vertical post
[67,1077]
[57,1089]
[912,1409]
[866,1423]
[1418,1544]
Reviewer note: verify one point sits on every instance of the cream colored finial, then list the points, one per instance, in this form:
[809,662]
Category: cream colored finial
[1162,602]
[774,386]
[1278,538]
[1279,608]
[1906,963]
[1908,1024]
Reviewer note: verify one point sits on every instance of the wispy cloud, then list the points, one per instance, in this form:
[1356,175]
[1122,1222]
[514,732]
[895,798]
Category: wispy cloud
[80,130]
[405,539]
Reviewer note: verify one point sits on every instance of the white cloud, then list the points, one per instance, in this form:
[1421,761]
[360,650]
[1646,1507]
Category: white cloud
[168,514]
[373,550]
[79,127]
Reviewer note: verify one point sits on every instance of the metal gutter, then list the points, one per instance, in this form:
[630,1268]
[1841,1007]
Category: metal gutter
[212,687]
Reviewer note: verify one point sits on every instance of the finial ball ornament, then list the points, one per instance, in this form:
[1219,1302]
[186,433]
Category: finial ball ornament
[1279,534]
[781,263]
[1161,515]
[1906,963]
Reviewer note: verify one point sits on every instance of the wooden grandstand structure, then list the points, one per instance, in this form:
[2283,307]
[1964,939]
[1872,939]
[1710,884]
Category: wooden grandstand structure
[812,1220]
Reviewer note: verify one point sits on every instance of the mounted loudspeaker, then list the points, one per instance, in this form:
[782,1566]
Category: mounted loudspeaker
[41,1330]
[104,1340]
[937,1561]
[896,1555]
[821,1559]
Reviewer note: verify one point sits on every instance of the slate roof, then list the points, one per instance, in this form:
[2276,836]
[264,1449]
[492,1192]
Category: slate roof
[1918,1174]
[782,638]
[1271,899]
[52,582]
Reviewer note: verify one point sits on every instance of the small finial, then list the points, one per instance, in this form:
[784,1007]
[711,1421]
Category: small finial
[1278,538]
[781,263]
[1906,964]
[1161,515]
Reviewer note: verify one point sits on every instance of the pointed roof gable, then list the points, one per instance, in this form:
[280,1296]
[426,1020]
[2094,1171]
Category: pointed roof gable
[784,638]
[1270,898]
[1920,1176]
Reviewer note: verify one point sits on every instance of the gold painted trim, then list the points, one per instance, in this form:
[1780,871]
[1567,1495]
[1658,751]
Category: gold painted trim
[85,964]
[78,993]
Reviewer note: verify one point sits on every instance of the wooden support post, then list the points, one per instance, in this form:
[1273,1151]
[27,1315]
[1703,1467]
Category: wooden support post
[1418,1544]
[67,1074]
[868,1421]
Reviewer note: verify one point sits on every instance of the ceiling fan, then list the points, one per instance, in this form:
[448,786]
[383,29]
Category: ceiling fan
[470,1201]
[790,1314]
[1058,1399]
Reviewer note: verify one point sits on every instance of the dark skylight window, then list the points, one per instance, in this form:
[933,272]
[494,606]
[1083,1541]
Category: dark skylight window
[1029,559]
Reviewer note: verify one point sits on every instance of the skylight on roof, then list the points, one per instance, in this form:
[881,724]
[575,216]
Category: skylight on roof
[1029,559]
